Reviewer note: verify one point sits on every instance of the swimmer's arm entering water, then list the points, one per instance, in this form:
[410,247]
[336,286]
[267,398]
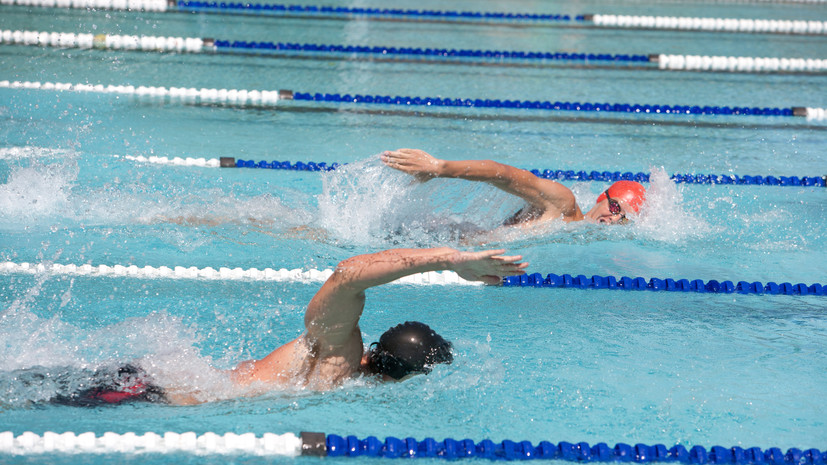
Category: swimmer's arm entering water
[545,195]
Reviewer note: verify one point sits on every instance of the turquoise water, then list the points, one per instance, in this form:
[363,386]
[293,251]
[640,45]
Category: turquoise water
[531,364]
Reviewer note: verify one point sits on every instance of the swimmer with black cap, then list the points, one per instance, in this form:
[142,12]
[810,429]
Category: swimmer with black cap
[407,349]
[331,349]
[547,200]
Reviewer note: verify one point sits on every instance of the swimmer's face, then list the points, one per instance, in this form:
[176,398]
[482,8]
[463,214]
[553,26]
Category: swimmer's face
[366,369]
[611,211]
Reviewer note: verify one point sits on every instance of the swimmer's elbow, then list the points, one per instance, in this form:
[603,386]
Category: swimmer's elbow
[357,273]
[347,271]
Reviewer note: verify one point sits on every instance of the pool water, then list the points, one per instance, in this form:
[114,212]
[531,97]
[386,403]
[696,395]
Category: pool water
[530,363]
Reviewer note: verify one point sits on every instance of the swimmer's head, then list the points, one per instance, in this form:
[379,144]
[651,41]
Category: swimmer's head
[631,192]
[409,348]
[613,204]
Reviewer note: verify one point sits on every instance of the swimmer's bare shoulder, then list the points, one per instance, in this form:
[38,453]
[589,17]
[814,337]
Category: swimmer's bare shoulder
[559,199]
[283,366]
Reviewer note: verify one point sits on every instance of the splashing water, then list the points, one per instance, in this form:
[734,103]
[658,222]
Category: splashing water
[36,192]
[44,186]
[663,217]
[44,357]
[357,199]
[368,203]
[15,153]
[57,358]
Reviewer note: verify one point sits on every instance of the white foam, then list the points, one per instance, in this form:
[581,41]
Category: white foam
[663,217]
[37,191]
[65,356]
[368,203]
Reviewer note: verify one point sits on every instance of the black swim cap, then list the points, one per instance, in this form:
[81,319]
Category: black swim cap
[411,347]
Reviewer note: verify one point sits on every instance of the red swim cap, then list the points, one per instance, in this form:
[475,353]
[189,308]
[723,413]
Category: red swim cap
[631,192]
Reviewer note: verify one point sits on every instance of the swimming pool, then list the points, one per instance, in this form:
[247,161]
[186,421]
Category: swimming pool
[531,363]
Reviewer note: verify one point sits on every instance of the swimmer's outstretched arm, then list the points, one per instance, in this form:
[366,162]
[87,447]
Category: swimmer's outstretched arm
[332,317]
[540,193]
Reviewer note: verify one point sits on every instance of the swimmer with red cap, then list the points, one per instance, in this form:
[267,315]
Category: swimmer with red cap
[547,200]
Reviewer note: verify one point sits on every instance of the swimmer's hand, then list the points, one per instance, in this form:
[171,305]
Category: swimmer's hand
[417,163]
[488,266]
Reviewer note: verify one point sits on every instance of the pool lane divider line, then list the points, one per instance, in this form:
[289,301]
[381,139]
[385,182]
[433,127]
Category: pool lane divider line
[211,274]
[428,278]
[218,46]
[626,283]
[568,175]
[466,17]
[267,98]
[312,444]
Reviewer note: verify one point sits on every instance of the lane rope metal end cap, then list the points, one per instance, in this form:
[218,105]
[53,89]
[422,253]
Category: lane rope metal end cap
[313,444]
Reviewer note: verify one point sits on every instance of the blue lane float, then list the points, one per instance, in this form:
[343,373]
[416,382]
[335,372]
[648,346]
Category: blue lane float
[611,176]
[626,283]
[229,162]
[569,175]
[584,107]
[497,18]
[397,13]
[263,47]
[452,449]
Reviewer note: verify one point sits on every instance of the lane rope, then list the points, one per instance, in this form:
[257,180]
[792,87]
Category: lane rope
[267,98]
[626,283]
[568,175]
[211,274]
[312,444]
[218,46]
[428,278]
[478,17]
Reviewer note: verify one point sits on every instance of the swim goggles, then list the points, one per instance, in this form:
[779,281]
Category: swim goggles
[615,209]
